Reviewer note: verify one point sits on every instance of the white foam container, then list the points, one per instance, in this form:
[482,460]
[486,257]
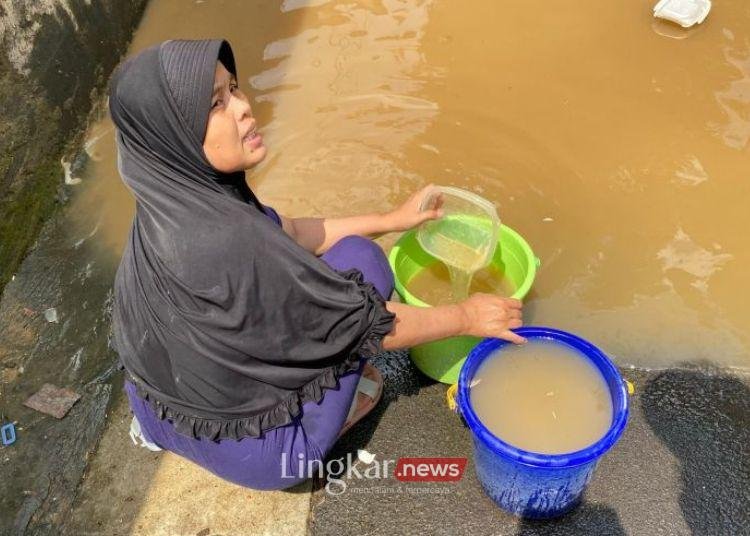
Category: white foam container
[686,13]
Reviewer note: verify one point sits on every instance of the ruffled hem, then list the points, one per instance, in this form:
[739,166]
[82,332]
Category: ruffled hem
[382,321]
[251,426]
[287,410]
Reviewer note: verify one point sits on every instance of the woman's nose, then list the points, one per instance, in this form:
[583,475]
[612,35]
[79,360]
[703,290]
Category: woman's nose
[242,106]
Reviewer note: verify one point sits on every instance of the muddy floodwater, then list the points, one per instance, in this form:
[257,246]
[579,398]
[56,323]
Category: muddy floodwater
[617,145]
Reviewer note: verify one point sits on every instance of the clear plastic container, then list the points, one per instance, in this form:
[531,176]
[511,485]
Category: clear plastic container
[466,236]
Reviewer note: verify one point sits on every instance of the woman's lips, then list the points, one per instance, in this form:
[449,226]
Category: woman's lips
[253,140]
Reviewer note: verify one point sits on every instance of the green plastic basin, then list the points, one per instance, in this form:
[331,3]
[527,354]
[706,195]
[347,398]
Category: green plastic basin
[442,359]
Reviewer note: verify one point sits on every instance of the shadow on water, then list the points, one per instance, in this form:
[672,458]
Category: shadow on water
[703,416]
[586,519]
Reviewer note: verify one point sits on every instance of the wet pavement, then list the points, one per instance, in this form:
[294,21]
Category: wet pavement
[42,469]
[681,467]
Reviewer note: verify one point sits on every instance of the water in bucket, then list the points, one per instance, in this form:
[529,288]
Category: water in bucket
[433,284]
[542,397]
[464,239]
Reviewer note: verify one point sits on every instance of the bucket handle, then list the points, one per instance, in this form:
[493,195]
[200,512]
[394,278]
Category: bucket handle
[450,398]
[629,386]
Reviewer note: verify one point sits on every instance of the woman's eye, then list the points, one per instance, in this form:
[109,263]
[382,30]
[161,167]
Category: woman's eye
[219,102]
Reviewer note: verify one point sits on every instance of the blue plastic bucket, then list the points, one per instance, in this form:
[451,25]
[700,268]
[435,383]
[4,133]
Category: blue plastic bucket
[528,484]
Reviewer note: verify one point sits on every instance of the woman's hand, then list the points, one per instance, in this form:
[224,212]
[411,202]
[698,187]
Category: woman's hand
[482,315]
[408,215]
[489,315]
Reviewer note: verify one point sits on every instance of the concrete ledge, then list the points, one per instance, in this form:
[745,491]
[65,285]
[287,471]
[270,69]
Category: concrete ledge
[130,490]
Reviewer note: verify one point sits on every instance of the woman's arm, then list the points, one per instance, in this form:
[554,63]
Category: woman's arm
[319,234]
[481,315]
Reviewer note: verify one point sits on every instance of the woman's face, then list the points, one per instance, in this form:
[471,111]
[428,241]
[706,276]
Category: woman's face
[232,142]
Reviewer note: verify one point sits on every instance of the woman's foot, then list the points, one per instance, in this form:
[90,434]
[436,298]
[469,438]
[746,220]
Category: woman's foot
[367,396]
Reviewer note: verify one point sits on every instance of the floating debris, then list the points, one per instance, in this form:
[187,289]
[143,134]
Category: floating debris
[69,178]
[365,457]
[547,219]
[686,13]
[431,148]
[50,315]
[89,145]
[52,400]
[8,434]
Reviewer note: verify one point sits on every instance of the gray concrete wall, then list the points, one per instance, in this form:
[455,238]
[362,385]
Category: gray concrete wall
[55,59]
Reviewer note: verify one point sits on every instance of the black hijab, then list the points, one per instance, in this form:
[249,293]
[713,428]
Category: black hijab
[223,322]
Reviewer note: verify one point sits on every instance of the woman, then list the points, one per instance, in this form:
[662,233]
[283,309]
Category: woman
[243,333]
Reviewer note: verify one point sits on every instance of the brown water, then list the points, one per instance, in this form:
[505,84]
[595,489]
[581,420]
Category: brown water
[617,145]
[433,284]
[461,262]
[463,245]
[542,397]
